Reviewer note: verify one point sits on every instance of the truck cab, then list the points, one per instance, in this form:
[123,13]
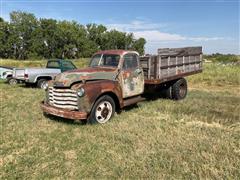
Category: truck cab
[115,79]
[128,72]
[61,64]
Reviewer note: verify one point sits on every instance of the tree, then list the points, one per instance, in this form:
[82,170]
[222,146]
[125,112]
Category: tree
[22,26]
[4,33]
[44,39]
[25,36]
[139,44]
[97,34]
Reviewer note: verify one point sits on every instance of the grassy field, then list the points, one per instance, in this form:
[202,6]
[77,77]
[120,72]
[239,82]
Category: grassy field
[196,138]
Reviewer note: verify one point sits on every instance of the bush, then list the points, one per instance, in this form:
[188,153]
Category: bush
[223,58]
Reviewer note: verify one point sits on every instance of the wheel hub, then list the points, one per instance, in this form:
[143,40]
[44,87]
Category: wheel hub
[182,90]
[103,112]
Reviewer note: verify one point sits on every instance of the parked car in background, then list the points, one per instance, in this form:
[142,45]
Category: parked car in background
[6,74]
[16,73]
[39,76]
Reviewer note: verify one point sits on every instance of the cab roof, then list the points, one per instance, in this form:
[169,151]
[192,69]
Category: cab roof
[119,52]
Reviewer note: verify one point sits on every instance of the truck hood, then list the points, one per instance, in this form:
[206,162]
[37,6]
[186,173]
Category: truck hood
[92,73]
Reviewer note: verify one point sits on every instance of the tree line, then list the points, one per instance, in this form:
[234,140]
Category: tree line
[26,36]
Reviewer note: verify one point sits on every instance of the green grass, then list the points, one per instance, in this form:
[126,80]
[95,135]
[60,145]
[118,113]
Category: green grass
[197,138]
[217,75]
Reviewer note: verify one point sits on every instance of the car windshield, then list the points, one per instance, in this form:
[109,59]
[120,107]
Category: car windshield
[105,60]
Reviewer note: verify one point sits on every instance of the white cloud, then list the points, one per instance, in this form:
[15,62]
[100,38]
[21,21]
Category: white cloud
[152,33]
[156,36]
[206,38]
[135,25]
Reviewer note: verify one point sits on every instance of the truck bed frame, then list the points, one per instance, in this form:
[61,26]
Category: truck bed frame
[171,63]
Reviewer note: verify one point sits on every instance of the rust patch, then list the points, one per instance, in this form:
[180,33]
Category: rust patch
[94,89]
[92,69]
[132,83]
[63,112]
[119,52]
[85,77]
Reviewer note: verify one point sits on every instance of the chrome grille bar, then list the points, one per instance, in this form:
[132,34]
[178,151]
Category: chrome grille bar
[63,98]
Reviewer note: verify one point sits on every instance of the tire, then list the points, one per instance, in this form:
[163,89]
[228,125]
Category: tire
[102,111]
[12,81]
[179,89]
[168,92]
[41,82]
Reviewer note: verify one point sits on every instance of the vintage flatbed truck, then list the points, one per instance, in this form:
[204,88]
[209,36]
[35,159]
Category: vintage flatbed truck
[119,78]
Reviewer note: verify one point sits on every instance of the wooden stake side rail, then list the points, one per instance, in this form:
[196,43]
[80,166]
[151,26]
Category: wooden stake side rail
[171,64]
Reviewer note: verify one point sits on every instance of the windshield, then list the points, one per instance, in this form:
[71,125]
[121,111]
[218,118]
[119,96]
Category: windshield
[105,60]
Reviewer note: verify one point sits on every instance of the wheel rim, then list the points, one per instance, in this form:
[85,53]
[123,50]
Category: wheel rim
[103,112]
[13,81]
[182,90]
[42,84]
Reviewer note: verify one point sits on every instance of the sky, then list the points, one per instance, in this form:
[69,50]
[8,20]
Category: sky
[213,24]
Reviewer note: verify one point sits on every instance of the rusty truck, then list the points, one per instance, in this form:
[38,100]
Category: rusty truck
[119,78]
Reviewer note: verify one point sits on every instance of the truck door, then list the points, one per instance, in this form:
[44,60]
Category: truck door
[132,78]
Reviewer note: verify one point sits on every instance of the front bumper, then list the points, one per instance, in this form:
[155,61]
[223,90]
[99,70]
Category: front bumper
[69,114]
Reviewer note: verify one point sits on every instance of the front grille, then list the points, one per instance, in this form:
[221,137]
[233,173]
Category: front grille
[63,98]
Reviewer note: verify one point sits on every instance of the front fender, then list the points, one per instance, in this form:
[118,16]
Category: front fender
[95,89]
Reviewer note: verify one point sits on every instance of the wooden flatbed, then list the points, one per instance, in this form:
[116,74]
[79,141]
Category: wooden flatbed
[171,63]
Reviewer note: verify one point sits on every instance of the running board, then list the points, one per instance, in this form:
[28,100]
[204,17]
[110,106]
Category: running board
[133,100]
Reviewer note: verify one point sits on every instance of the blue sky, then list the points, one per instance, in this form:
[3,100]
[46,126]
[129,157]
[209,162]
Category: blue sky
[213,24]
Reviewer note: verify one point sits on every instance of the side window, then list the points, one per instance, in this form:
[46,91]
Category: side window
[68,65]
[53,64]
[130,61]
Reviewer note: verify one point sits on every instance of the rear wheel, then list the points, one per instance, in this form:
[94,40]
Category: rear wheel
[102,111]
[179,89]
[168,92]
[41,83]
[12,81]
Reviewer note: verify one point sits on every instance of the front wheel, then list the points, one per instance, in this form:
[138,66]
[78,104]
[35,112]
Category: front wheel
[12,81]
[102,111]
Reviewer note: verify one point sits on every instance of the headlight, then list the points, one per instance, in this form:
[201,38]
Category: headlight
[45,86]
[80,92]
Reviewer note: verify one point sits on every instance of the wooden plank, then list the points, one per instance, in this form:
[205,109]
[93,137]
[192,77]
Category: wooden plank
[164,67]
[155,67]
[149,67]
[172,63]
[159,66]
[186,51]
